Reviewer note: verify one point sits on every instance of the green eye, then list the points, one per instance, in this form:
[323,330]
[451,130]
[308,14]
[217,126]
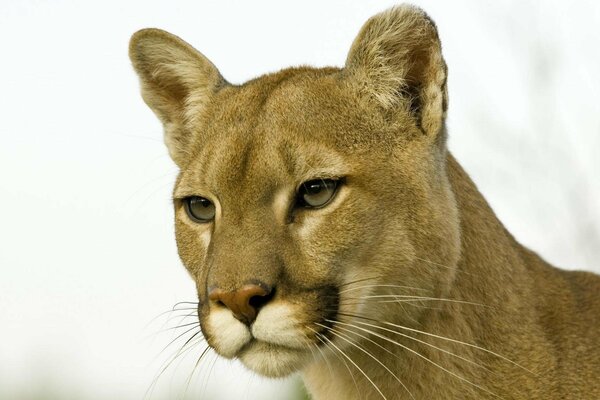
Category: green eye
[199,209]
[317,192]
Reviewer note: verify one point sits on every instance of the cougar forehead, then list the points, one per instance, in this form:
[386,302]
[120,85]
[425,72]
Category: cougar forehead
[285,128]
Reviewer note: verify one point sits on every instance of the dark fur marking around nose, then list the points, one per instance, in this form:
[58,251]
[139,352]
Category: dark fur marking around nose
[245,302]
[329,307]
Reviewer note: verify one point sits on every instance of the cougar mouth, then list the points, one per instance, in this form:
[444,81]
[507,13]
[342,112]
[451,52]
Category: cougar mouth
[284,336]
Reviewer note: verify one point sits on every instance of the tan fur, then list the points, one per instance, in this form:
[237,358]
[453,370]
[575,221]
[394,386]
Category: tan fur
[407,221]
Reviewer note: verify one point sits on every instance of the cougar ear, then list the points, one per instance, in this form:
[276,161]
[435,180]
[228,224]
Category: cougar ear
[176,82]
[397,60]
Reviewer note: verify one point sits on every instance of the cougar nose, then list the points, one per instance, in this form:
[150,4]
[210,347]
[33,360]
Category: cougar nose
[245,302]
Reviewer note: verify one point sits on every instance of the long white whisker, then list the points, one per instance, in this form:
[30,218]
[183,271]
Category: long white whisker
[442,338]
[310,346]
[392,286]
[402,297]
[456,341]
[320,337]
[345,338]
[357,367]
[427,344]
[425,358]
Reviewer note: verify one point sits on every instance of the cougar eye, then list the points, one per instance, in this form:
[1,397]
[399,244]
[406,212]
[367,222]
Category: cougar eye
[316,193]
[199,209]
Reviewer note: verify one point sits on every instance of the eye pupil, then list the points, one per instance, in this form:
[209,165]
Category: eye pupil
[199,209]
[314,188]
[204,203]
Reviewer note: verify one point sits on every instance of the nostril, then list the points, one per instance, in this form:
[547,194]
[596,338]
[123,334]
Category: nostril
[258,301]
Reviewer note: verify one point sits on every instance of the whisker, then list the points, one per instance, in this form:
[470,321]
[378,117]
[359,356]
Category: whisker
[182,317]
[460,342]
[167,312]
[401,297]
[442,338]
[426,359]
[428,344]
[206,349]
[310,346]
[392,286]
[179,336]
[406,313]
[195,303]
[357,367]
[194,324]
[413,303]
[179,327]
[171,360]
[210,371]
[357,281]
[326,344]
[344,337]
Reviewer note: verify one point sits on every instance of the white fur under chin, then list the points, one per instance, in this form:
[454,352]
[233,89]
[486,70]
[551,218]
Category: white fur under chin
[272,360]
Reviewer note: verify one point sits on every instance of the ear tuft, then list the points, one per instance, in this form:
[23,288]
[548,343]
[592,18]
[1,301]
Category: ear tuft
[397,60]
[176,81]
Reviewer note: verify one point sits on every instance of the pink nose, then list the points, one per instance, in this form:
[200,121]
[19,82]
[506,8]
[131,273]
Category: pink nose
[245,302]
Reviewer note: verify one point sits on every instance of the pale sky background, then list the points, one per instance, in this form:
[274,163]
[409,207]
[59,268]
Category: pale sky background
[87,250]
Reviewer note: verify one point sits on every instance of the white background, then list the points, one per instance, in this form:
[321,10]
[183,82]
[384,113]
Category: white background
[87,251]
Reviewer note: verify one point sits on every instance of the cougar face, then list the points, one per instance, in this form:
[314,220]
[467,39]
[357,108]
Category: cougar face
[302,193]
[298,198]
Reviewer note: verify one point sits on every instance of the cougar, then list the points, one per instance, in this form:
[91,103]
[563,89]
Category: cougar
[330,232]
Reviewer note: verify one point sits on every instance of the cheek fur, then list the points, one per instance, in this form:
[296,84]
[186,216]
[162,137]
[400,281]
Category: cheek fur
[193,241]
